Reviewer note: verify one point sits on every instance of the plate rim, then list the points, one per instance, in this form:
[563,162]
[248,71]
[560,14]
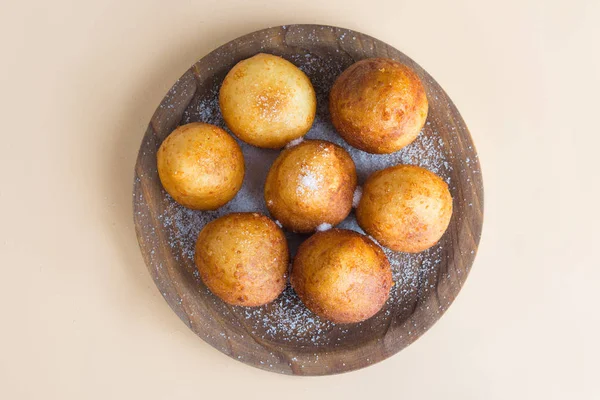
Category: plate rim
[294,371]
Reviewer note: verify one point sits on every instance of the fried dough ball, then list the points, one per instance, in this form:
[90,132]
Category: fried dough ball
[341,275]
[405,208]
[201,166]
[243,258]
[378,105]
[311,184]
[267,101]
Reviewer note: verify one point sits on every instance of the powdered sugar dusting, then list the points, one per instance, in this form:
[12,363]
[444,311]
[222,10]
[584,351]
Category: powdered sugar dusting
[294,142]
[310,180]
[356,196]
[426,151]
[287,320]
[288,315]
[324,227]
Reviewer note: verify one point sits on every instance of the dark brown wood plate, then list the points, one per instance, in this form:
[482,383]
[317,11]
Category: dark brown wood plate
[284,336]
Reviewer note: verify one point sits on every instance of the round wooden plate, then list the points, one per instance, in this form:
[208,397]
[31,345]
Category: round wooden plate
[284,336]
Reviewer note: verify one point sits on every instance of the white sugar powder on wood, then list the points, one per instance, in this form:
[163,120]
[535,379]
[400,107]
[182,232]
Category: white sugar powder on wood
[356,196]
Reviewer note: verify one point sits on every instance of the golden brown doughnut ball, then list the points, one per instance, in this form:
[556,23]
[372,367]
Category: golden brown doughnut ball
[311,184]
[201,166]
[267,101]
[378,105]
[406,208]
[243,259]
[341,275]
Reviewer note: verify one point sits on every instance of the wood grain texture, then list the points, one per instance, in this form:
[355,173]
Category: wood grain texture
[233,330]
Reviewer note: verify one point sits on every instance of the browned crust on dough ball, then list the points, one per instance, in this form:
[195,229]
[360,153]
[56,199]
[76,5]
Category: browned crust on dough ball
[243,258]
[342,276]
[267,101]
[405,208]
[201,166]
[378,105]
[311,184]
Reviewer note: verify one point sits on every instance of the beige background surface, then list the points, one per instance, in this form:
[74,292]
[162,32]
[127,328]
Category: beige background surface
[81,317]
